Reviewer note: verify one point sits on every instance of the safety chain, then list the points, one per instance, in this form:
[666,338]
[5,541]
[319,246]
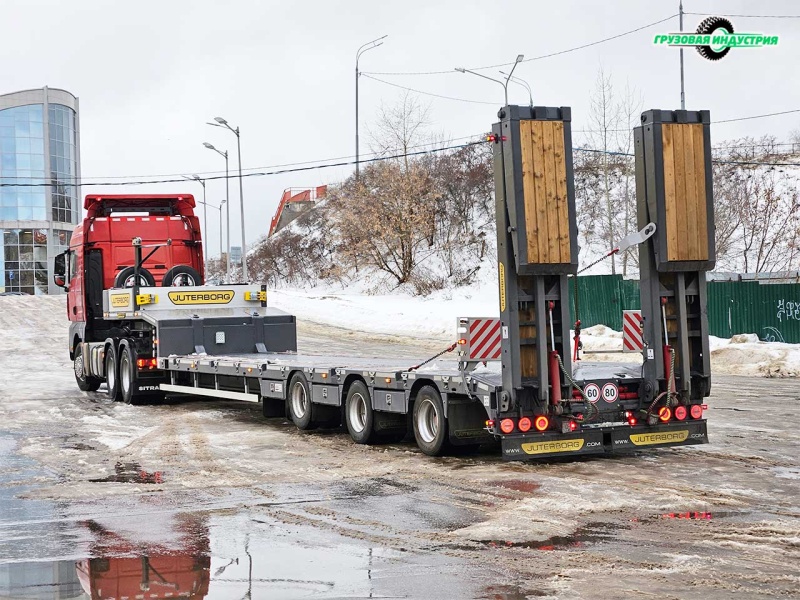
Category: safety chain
[595,411]
[435,356]
[672,396]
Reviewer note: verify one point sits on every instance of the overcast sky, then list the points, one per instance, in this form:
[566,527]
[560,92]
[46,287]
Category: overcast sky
[150,74]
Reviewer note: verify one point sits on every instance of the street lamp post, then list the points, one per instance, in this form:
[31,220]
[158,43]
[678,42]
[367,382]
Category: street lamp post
[523,83]
[520,58]
[220,122]
[205,213]
[368,46]
[219,208]
[227,209]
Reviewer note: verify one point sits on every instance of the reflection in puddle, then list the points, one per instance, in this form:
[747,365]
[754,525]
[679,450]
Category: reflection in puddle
[128,568]
[131,473]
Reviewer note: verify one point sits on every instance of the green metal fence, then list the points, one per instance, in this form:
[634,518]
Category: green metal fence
[772,311]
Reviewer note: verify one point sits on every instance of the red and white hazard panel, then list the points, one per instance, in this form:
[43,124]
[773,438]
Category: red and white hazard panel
[479,338]
[632,326]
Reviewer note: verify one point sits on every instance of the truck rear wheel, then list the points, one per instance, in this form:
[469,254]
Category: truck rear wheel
[300,402]
[86,383]
[358,414]
[430,424]
[127,377]
[112,372]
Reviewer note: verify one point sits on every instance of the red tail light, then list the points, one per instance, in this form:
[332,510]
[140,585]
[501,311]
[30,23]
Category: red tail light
[632,421]
[681,413]
[696,411]
[573,425]
[507,425]
[524,424]
[146,363]
[664,414]
[541,423]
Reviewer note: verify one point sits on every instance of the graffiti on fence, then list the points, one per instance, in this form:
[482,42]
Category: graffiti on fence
[771,334]
[788,310]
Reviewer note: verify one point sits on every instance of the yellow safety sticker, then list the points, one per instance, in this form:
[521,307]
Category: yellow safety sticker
[502,271]
[120,300]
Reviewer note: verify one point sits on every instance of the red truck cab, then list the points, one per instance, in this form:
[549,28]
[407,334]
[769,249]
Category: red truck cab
[101,254]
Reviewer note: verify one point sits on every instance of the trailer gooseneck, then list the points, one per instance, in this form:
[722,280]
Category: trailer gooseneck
[143,323]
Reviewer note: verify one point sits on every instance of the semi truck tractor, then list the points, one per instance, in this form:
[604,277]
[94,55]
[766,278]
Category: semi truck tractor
[144,324]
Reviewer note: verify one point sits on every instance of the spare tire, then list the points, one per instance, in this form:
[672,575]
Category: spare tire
[181,275]
[125,278]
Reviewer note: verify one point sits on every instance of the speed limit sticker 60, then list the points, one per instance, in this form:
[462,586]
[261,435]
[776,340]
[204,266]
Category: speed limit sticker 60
[610,392]
[592,391]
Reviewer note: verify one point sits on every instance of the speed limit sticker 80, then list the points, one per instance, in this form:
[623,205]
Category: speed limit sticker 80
[592,391]
[610,392]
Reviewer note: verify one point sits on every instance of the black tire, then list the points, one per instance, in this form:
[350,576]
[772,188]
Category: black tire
[358,414]
[181,275]
[709,26]
[125,278]
[112,374]
[430,424]
[85,383]
[127,377]
[298,402]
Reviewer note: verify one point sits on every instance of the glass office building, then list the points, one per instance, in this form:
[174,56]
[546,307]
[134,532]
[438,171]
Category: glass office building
[39,193]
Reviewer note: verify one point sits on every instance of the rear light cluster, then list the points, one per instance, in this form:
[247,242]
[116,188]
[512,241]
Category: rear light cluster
[147,363]
[525,424]
[665,414]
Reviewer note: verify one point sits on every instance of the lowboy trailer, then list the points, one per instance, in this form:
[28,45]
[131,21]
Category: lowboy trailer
[144,340]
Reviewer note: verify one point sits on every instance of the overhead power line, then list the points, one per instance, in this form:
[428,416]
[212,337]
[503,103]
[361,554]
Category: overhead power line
[745,16]
[402,87]
[202,174]
[259,174]
[540,57]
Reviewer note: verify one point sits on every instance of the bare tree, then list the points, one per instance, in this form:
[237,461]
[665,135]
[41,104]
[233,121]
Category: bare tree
[757,211]
[400,126]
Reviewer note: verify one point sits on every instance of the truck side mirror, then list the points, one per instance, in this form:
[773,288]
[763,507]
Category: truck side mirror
[60,270]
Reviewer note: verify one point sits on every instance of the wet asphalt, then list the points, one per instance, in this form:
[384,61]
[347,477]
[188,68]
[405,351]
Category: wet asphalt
[206,499]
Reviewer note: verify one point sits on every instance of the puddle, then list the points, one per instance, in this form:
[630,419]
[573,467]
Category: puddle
[131,473]
[196,555]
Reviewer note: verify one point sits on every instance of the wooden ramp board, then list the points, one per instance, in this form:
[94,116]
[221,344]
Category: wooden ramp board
[685,191]
[544,182]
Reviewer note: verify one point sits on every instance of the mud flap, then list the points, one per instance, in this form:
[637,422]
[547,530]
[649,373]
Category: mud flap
[548,445]
[672,434]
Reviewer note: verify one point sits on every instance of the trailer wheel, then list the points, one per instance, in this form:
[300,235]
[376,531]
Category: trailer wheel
[112,372]
[300,402]
[181,275]
[86,383]
[430,424]
[358,414]
[125,278]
